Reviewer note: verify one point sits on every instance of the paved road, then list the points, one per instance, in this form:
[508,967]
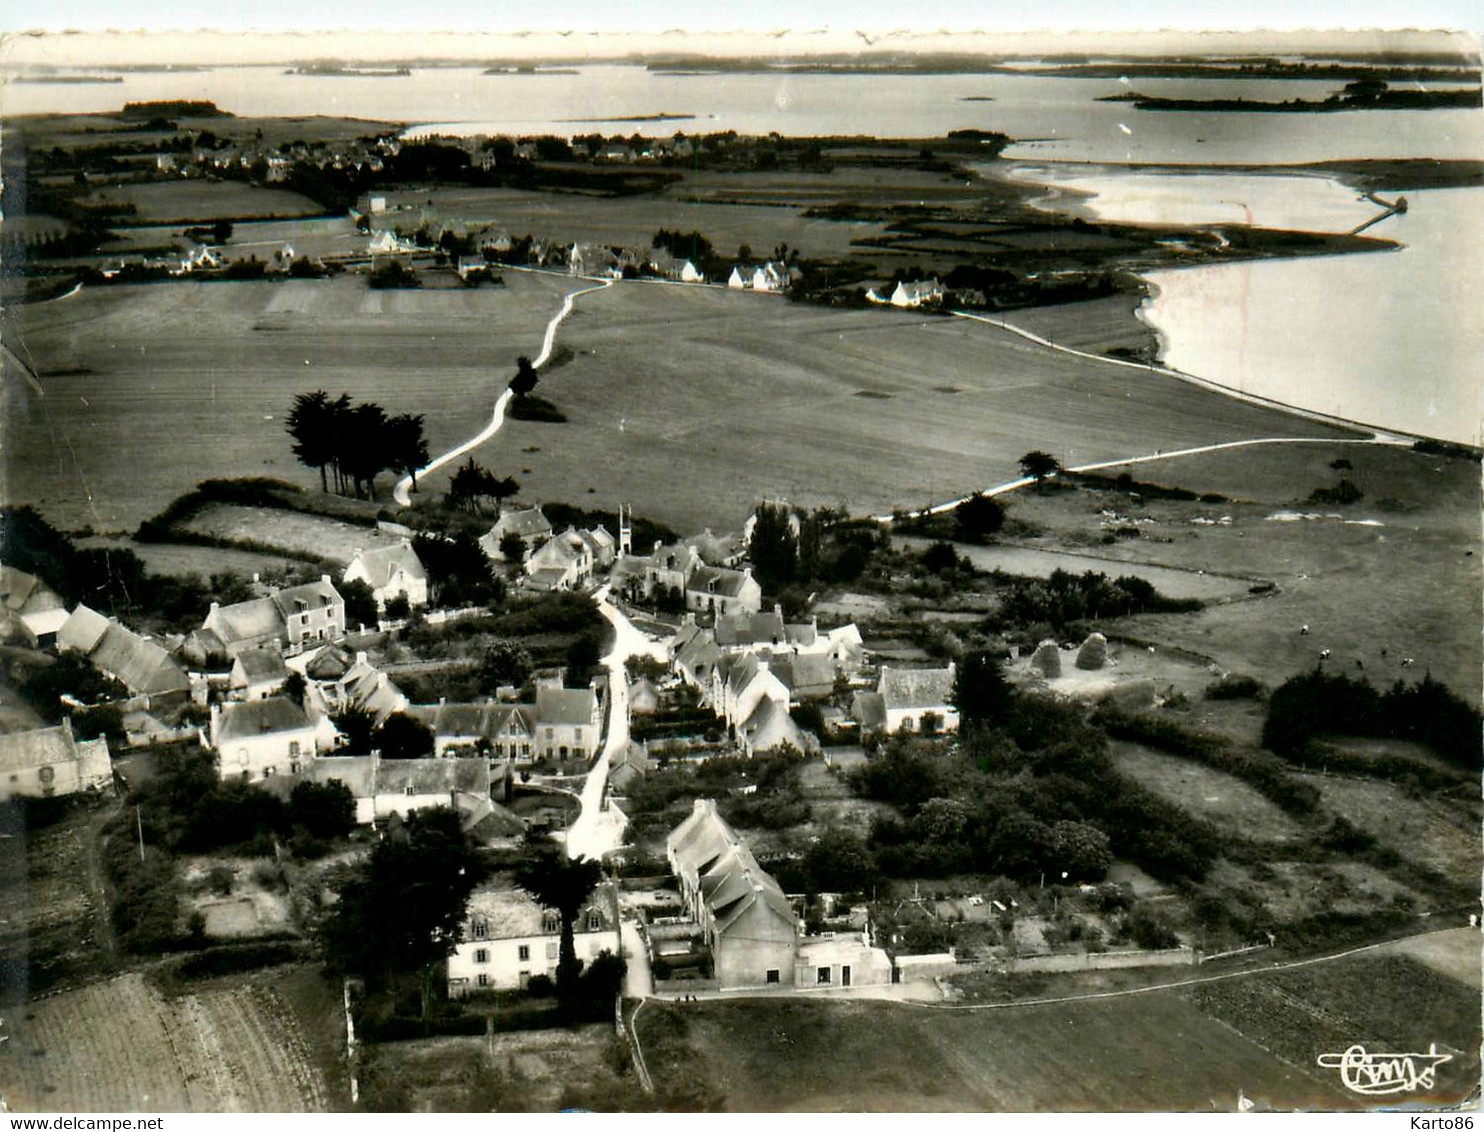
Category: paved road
[637,980]
[402,492]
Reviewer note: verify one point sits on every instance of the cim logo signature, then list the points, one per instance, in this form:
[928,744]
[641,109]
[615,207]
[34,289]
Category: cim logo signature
[1380,1074]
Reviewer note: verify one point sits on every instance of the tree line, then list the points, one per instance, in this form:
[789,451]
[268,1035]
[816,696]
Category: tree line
[351,444]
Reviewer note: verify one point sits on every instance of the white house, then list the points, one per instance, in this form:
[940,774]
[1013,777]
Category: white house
[501,730]
[917,294]
[737,281]
[508,938]
[564,562]
[526,523]
[918,699]
[49,761]
[715,589]
[261,738]
[568,723]
[290,618]
[390,571]
[257,674]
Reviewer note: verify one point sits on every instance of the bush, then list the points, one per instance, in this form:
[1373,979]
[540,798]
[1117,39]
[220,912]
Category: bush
[394,275]
[220,880]
[1236,688]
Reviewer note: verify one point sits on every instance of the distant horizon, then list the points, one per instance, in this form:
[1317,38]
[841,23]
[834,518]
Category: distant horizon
[98,49]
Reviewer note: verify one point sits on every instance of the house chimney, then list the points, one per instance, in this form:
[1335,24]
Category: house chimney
[67,729]
[216,605]
[326,579]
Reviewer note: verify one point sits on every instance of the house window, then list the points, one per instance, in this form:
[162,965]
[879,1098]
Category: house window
[551,920]
[823,976]
[562,751]
[594,920]
[482,955]
[481,927]
[47,773]
[484,980]
[845,975]
[525,979]
[293,750]
[550,734]
[242,756]
[772,975]
[553,951]
[523,953]
[577,735]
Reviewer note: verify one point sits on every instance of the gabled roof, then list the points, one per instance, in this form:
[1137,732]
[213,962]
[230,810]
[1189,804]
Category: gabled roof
[749,628]
[708,855]
[274,715]
[27,594]
[256,619]
[475,721]
[804,672]
[737,671]
[801,635]
[573,706]
[311,595]
[82,630]
[527,522]
[433,776]
[717,580]
[916,687]
[51,746]
[771,726]
[357,772]
[138,664]
[329,663]
[369,689]
[718,550]
[261,666]
[508,912]
[380,565]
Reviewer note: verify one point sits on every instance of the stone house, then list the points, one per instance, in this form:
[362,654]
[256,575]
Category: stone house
[390,571]
[508,938]
[262,738]
[50,762]
[286,619]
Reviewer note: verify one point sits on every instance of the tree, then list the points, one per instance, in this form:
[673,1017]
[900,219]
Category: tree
[360,602]
[402,737]
[1039,465]
[980,691]
[512,547]
[978,517]
[406,445]
[525,378]
[402,909]
[313,422]
[323,810]
[773,547]
[363,453]
[221,231]
[356,725]
[939,558]
[505,663]
[562,884]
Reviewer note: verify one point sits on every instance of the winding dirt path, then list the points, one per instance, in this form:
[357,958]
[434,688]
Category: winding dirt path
[402,493]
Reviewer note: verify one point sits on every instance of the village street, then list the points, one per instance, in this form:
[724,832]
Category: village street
[598,830]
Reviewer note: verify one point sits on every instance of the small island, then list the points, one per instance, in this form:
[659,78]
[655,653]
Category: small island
[1362,94]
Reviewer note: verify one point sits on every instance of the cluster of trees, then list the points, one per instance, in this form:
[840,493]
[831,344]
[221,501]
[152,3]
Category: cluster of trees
[186,808]
[400,736]
[393,275]
[472,483]
[685,245]
[459,573]
[1316,703]
[792,549]
[1064,599]
[352,444]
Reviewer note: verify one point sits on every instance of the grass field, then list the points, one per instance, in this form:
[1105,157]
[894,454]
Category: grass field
[1409,585]
[150,389]
[120,1045]
[200,201]
[291,530]
[1442,835]
[1227,802]
[694,403]
[1182,1050]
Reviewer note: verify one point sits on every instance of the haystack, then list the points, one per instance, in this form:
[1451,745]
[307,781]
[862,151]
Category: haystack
[1094,652]
[1047,659]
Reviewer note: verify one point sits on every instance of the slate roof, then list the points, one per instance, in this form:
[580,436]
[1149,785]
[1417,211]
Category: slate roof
[741,629]
[805,674]
[708,854]
[771,726]
[717,580]
[358,772]
[51,746]
[310,595]
[82,630]
[527,522]
[509,912]
[260,717]
[382,563]
[261,666]
[329,663]
[29,597]
[477,721]
[573,706]
[718,550]
[433,776]
[916,687]
[257,619]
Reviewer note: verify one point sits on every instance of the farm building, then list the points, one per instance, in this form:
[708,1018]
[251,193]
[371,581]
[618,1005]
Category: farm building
[917,294]
[754,702]
[334,687]
[383,787]
[49,762]
[390,571]
[290,619]
[139,664]
[262,738]
[508,938]
[745,920]
[33,611]
[563,562]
